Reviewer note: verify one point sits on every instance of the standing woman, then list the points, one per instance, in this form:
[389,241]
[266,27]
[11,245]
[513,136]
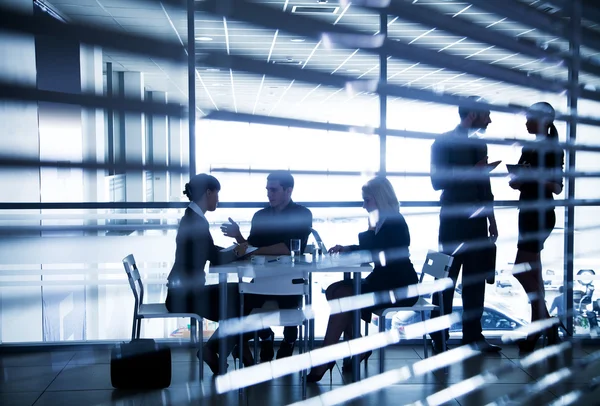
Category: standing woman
[187,290]
[541,179]
[388,240]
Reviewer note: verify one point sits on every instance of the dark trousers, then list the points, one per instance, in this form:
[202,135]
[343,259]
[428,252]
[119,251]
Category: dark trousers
[453,232]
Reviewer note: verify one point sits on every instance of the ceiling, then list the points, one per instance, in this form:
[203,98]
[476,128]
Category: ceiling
[242,92]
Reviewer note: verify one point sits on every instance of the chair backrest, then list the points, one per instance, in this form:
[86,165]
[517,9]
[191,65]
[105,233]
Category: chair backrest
[135,281]
[437,265]
[319,241]
[286,284]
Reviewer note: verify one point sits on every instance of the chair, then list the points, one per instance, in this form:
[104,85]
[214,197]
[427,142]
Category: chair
[319,241]
[294,283]
[154,310]
[436,265]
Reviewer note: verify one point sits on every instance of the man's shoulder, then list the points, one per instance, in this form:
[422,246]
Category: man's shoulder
[300,209]
[444,138]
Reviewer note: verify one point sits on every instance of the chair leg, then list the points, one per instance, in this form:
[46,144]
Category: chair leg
[381,349]
[366,335]
[304,339]
[424,338]
[193,332]
[256,357]
[133,328]
[201,348]
[139,328]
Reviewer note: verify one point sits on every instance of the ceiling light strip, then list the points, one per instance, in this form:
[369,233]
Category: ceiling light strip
[462,11]
[344,62]
[206,89]
[301,25]
[262,82]
[282,96]
[308,94]
[233,90]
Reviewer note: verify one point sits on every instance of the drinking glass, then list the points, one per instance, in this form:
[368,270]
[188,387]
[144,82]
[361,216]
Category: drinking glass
[295,249]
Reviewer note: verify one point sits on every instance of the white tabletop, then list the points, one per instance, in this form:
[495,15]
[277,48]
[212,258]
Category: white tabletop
[352,262]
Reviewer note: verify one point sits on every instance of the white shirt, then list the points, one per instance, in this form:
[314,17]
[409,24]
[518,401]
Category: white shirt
[197,209]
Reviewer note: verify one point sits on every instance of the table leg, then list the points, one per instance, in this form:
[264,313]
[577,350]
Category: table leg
[311,322]
[222,317]
[356,328]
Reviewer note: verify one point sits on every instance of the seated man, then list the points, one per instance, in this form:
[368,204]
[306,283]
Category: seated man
[271,231]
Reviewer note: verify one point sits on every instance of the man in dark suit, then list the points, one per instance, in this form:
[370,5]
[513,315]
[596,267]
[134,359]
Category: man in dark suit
[460,169]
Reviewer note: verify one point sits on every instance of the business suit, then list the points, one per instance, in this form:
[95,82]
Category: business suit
[462,233]
[391,238]
[187,291]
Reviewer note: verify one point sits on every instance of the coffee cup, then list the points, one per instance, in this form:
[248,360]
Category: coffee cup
[258,260]
[284,259]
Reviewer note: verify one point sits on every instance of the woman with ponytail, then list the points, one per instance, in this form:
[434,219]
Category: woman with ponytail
[187,291]
[538,181]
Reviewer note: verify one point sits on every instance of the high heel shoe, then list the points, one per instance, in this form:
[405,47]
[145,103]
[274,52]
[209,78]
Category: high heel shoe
[212,360]
[317,373]
[528,344]
[347,365]
[248,359]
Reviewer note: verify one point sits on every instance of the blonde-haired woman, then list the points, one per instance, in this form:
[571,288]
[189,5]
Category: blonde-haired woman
[387,233]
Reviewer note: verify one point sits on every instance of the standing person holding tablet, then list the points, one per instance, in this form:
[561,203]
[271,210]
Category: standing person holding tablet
[538,179]
[460,169]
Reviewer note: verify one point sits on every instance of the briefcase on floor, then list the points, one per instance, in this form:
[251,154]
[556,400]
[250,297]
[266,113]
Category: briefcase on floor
[140,364]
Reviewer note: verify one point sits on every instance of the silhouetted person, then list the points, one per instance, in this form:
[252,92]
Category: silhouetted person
[272,229]
[538,180]
[460,169]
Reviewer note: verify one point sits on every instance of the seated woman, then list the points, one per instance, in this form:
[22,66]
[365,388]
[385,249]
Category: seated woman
[388,232]
[187,292]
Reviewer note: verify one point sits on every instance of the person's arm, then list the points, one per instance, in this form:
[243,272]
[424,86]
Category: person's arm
[489,197]
[232,229]
[343,248]
[556,184]
[440,166]
[554,305]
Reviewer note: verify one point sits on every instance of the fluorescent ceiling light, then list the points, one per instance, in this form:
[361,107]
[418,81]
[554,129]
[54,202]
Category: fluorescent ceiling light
[297,40]
[204,39]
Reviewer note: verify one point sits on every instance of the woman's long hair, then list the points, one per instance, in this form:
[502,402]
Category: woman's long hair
[383,192]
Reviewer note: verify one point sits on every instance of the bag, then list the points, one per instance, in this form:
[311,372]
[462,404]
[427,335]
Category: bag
[488,262]
[140,364]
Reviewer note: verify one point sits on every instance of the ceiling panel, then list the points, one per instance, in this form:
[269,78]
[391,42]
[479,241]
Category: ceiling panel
[251,93]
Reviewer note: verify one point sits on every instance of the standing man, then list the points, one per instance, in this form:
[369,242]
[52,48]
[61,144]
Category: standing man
[460,169]
[271,231]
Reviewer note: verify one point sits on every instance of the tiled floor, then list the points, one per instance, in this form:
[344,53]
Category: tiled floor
[81,376]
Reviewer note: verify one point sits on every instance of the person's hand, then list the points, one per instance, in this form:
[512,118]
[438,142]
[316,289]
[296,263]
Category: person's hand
[515,184]
[482,163]
[493,231]
[231,229]
[492,165]
[241,249]
[337,249]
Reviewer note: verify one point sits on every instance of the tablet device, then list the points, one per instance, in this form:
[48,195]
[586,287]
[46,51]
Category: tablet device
[515,169]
